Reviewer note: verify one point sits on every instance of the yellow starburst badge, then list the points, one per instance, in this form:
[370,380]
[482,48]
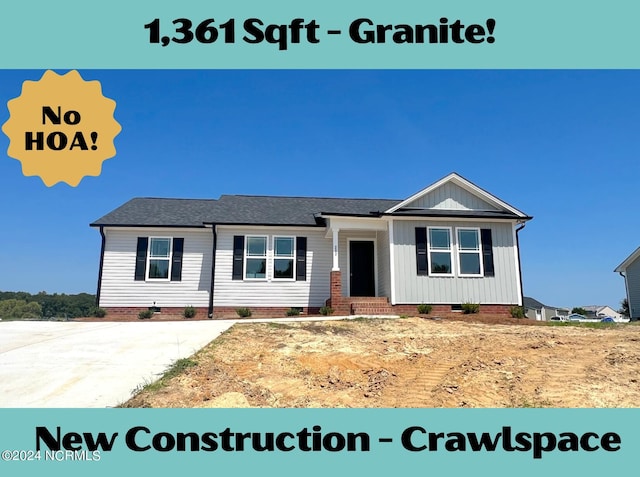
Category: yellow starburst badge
[61,128]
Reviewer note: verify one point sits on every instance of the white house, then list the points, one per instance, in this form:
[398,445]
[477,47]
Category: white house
[600,311]
[630,270]
[448,244]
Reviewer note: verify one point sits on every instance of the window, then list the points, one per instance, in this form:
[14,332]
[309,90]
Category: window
[440,251]
[283,257]
[473,248]
[469,252]
[159,258]
[256,257]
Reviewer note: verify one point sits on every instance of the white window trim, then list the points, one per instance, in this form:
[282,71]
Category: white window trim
[478,252]
[275,257]
[246,256]
[450,250]
[149,258]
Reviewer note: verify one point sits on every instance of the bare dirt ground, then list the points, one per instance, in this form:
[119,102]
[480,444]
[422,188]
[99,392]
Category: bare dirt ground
[412,362]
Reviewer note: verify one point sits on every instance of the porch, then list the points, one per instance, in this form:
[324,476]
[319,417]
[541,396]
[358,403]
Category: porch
[360,278]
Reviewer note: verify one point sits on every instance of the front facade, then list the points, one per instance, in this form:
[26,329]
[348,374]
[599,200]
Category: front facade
[630,270]
[449,244]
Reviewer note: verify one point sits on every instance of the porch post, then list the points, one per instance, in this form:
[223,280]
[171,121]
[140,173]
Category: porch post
[336,265]
[335,299]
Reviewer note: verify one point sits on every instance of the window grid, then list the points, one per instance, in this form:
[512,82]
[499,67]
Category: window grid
[284,252]
[159,258]
[440,251]
[255,257]
[469,252]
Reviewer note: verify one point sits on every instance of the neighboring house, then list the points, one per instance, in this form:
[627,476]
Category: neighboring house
[600,311]
[448,244]
[535,310]
[630,270]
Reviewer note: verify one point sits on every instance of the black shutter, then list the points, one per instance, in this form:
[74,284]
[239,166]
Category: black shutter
[301,258]
[487,252]
[176,260]
[238,257]
[141,258]
[421,251]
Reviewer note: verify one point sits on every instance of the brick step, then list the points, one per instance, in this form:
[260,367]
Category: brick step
[371,311]
[376,299]
[368,299]
[370,305]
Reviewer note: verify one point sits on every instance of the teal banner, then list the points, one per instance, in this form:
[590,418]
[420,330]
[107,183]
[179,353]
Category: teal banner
[330,34]
[525,442]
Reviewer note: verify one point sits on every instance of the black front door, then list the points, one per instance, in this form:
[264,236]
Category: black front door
[362,274]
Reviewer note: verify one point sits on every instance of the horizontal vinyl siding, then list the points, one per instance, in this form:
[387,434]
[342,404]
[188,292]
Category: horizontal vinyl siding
[119,289]
[411,288]
[633,284]
[451,197]
[247,293]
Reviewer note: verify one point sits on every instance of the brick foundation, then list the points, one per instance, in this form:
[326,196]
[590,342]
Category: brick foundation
[502,310]
[202,313]
[341,306]
[229,312]
[166,313]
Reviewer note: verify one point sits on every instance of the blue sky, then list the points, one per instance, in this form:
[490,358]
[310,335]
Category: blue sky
[562,146]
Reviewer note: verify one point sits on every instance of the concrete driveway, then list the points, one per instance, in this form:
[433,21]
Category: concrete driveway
[69,364]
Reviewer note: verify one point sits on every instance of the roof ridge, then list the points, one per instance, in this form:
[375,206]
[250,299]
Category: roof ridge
[173,198]
[307,197]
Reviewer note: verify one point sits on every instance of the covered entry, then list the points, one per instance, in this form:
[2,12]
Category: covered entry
[362,268]
[360,272]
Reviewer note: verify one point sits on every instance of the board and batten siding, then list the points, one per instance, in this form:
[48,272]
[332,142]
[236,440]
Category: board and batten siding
[119,289]
[313,291]
[410,288]
[633,287]
[451,197]
[384,277]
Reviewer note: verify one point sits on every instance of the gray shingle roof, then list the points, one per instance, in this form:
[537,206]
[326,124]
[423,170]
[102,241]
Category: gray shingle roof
[532,303]
[274,210]
[148,211]
[293,210]
[238,209]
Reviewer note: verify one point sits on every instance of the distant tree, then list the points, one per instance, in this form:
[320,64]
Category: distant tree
[624,308]
[579,310]
[70,306]
[56,305]
[15,296]
[19,309]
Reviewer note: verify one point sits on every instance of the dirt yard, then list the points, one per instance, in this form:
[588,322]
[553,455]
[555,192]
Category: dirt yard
[412,362]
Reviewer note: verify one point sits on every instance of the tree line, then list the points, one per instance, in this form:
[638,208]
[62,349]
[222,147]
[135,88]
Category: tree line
[23,305]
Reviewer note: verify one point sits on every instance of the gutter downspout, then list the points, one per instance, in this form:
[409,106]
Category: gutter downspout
[520,263]
[213,269]
[101,265]
[626,288]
